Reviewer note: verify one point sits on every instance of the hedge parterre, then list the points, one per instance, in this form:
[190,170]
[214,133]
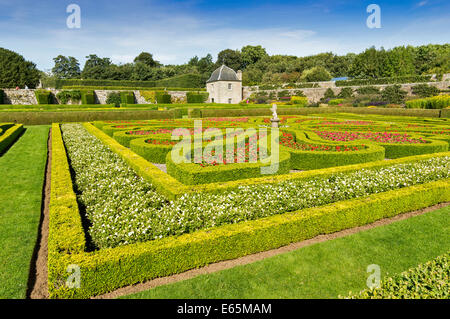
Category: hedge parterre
[123,208]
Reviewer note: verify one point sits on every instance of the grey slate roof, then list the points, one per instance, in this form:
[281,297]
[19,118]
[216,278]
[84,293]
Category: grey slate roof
[223,73]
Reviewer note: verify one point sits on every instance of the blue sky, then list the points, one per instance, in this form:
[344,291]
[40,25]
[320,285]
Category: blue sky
[174,31]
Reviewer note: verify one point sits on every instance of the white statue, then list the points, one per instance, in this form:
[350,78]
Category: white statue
[274,112]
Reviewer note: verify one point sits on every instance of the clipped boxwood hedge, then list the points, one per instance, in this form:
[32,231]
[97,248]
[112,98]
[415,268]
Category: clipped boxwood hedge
[196,97]
[162,97]
[9,134]
[108,269]
[87,97]
[194,174]
[127,97]
[43,96]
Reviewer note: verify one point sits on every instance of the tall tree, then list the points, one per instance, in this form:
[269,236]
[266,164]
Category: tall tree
[96,67]
[205,64]
[16,71]
[147,59]
[66,67]
[231,58]
[251,54]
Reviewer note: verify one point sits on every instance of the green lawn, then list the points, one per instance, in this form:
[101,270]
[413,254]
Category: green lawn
[22,170]
[324,270]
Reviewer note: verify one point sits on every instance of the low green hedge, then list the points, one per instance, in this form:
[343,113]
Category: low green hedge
[124,138]
[127,88]
[113,128]
[144,106]
[151,152]
[184,80]
[435,102]
[194,174]
[196,97]
[10,134]
[49,117]
[215,112]
[108,269]
[306,160]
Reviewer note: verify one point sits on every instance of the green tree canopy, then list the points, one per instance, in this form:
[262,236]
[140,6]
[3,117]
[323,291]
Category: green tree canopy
[316,74]
[16,71]
[231,58]
[251,54]
[66,67]
[147,59]
[97,68]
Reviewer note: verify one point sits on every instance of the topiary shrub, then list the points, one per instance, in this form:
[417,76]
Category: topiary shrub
[87,97]
[127,97]
[163,97]
[43,96]
[114,98]
[393,94]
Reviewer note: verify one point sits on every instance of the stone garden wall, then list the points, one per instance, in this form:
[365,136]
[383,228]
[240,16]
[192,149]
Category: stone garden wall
[27,97]
[315,94]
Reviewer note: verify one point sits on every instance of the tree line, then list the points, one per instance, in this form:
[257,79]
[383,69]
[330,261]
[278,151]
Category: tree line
[257,65]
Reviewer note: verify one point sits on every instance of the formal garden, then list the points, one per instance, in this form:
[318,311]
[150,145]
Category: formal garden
[324,176]
[130,201]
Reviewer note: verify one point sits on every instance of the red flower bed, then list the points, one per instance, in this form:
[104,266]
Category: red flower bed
[380,137]
[288,140]
[346,123]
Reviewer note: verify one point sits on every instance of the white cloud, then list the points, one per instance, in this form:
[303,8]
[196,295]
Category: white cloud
[422,3]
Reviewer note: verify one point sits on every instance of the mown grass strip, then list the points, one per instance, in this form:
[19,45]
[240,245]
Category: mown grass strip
[324,270]
[22,170]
